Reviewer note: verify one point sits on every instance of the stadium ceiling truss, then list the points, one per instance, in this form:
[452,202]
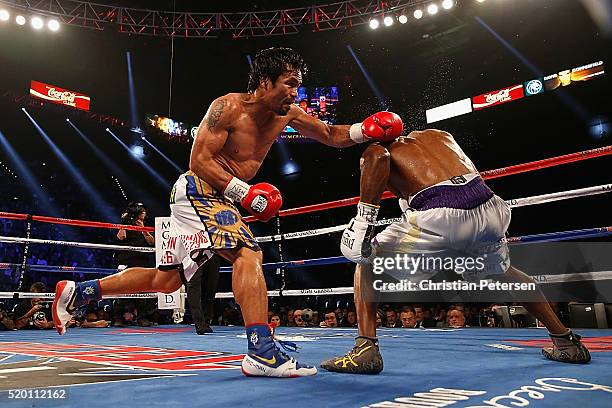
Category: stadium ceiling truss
[315,18]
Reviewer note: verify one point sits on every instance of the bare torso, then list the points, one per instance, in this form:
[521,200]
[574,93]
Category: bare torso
[249,138]
[424,158]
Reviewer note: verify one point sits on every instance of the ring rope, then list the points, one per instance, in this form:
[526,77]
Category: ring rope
[518,202]
[545,237]
[75,244]
[344,290]
[488,174]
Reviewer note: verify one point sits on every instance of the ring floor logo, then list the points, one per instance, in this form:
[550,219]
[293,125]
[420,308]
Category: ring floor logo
[77,364]
[520,397]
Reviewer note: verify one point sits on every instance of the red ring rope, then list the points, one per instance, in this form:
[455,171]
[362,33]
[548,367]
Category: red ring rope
[487,175]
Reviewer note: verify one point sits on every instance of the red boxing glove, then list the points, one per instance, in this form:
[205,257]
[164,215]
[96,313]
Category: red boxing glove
[263,201]
[381,126]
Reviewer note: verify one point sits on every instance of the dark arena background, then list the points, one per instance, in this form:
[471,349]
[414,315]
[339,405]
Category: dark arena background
[99,104]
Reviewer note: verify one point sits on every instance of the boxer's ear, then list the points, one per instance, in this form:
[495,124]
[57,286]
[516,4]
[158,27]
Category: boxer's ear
[265,83]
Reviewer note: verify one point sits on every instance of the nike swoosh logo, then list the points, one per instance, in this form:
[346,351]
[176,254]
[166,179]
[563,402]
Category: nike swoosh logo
[270,361]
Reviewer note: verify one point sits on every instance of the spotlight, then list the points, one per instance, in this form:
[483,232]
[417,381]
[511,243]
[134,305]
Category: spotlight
[21,20]
[480,1]
[388,21]
[4,15]
[53,25]
[448,4]
[418,14]
[290,168]
[374,24]
[402,19]
[67,120]
[37,23]
[137,151]
[432,9]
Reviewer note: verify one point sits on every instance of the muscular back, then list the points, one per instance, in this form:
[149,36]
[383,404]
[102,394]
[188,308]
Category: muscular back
[424,158]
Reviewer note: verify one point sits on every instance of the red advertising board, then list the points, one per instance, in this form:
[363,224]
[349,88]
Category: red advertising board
[62,96]
[498,97]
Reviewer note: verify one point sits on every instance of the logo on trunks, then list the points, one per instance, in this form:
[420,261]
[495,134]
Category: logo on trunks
[198,240]
[259,204]
[458,180]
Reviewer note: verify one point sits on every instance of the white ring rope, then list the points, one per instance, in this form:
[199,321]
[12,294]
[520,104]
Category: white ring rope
[517,202]
[345,290]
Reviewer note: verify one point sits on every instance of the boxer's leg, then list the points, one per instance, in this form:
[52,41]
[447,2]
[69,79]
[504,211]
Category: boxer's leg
[567,346]
[69,294]
[139,280]
[540,309]
[365,357]
[366,310]
[263,358]
[248,284]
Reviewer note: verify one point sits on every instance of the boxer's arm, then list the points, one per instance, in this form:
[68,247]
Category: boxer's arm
[210,139]
[331,135]
[375,167]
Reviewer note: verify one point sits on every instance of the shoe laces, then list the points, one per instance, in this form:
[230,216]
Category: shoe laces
[288,346]
[349,357]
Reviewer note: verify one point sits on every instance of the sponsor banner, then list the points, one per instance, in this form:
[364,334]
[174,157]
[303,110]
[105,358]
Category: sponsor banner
[578,74]
[169,300]
[60,96]
[587,72]
[165,244]
[449,110]
[498,97]
[534,87]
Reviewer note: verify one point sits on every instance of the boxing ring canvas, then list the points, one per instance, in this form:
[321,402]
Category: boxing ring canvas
[171,366]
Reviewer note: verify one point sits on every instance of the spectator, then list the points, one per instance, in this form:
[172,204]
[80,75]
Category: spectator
[330,319]
[380,318]
[33,313]
[441,318]
[427,321]
[339,316]
[290,321]
[456,318]
[6,323]
[275,319]
[297,319]
[135,214]
[351,318]
[91,320]
[391,318]
[408,317]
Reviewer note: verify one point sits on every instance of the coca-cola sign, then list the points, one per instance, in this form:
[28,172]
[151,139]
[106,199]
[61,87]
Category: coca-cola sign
[59,95]
[498,97]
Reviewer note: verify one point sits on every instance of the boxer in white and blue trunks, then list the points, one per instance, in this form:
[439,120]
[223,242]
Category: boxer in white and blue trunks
[448,211]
